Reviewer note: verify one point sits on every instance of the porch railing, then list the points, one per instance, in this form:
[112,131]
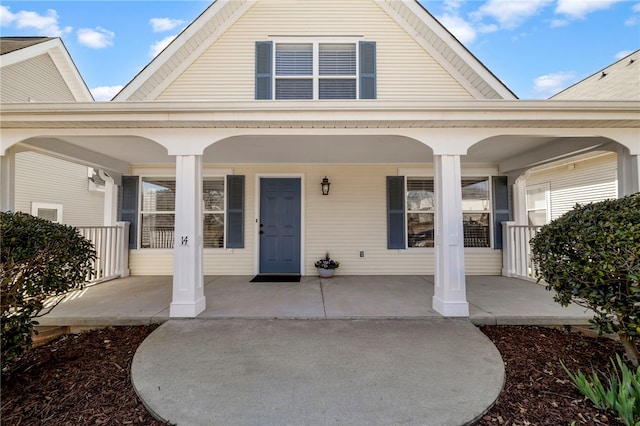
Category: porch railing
[516,250]
[112,251]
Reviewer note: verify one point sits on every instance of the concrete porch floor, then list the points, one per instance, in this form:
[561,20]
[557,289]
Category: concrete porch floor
[145,299]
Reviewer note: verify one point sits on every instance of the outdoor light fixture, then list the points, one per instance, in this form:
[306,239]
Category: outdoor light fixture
[325,186]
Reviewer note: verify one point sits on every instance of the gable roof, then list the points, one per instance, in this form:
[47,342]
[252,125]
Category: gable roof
[619,81]
[16,50]
[222,14]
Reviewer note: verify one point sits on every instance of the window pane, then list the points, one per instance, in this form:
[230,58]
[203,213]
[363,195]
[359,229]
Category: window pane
[420,229]
[537,217]
[337,89]
[48,214]
[294,89]
[476,229]
[337,59]
[157,230]
[213,194]
[213,230]
[294,59]
[420,194]
[158,194]
[475,194]
[537,198]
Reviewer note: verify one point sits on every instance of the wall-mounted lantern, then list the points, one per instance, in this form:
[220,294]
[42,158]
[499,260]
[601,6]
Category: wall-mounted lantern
[325,186]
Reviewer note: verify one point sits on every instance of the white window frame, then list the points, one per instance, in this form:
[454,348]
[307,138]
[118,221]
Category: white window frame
[169,174]
[316,77]
[36,206]
[547,198]
[414,174]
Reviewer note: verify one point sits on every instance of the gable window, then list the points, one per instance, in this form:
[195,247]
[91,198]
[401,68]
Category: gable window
[307,70]
[476,212]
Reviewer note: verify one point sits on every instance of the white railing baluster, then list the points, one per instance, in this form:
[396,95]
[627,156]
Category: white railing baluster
[111,245]
[517,255]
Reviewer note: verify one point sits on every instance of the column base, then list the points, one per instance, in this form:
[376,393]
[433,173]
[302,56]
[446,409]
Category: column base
[450,309]
[187,310]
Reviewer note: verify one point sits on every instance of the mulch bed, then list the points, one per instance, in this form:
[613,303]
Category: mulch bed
[85,379]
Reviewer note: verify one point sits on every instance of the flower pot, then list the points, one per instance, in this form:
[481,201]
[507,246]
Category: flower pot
[326,273]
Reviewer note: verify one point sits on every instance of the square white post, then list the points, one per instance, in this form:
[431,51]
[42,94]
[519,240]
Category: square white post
[628,173]
[188,279]
[7,181]
[450,294]
[110,203]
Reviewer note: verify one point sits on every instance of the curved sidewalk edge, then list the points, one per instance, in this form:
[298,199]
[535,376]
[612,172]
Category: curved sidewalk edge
[434,371]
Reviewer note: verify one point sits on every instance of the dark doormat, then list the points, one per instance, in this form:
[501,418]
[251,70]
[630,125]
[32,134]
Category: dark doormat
[276,279]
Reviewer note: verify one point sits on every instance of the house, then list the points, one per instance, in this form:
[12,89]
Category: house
[221,145]
[40,69]
[555,188]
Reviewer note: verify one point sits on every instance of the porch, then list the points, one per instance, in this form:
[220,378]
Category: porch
[140,300]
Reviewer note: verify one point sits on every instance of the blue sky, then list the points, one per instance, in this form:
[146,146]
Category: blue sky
[536,47]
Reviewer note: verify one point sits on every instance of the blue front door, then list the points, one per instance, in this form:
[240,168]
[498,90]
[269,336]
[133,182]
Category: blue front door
[280,225]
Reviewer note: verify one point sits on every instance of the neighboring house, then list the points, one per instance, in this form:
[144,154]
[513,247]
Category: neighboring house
[39,69]
[222,142]
[555,188]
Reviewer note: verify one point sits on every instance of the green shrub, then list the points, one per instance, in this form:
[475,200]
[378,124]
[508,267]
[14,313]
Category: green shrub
[591,256]
[621,396]
[39,259]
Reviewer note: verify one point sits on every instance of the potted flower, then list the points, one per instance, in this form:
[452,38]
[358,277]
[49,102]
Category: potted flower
[327,266]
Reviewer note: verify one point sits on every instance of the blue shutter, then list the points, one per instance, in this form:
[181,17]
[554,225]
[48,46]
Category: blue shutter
[367,70]
[264,58]
[129,207]
[396,237]
[501,205]
[235,211]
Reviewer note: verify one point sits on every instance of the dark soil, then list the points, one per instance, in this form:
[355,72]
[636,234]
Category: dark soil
[85,379]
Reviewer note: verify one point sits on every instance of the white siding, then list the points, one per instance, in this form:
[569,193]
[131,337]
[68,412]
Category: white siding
[36,79]
[226,70]
[44,179]
[586,180]
[352,218]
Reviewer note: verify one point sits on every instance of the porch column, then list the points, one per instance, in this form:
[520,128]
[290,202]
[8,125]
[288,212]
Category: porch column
[450,296]
[110,209]
[628,173]
[7,181]
[188,279]
[520,200]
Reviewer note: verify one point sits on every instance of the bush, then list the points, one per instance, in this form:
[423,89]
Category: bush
[619,396]
[591,256]
[39,259]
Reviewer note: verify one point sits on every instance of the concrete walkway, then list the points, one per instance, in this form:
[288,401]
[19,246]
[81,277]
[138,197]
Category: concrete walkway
[320,362]
[335,372]
[144,300]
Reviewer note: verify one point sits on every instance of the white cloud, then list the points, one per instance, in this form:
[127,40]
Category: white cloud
[460,28]
[97,38]
[45,25]
[164,24]
[159,45]
[622,54]
[636,7]
[509,13]
[580,8]
[105,93]
[556,23]
[553,83]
